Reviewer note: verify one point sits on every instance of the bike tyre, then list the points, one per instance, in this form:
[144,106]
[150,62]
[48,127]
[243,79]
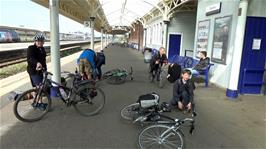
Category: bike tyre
[81,105]
[22,98]
[159,128]
[131,110]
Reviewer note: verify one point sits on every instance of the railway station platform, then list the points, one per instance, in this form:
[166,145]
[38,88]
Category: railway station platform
[220,123]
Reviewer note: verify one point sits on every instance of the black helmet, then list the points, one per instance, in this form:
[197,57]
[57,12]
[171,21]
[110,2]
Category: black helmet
[39,37]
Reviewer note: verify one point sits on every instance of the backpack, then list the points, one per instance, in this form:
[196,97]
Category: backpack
[148,100]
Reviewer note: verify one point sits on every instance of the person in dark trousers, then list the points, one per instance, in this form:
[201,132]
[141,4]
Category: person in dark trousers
[36,59]
[203,63]
[174,71]
[157,61]
[183,95]
[100,60]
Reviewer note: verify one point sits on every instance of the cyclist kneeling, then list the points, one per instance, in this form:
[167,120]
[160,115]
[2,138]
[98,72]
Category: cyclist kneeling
[86,62]
[183,92]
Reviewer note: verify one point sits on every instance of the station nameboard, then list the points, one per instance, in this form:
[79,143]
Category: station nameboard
[213,9]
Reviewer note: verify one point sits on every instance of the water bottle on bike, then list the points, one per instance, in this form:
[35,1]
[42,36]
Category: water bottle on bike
[63,93]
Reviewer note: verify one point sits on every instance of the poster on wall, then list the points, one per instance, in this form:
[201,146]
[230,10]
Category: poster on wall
[202,36]
[221,39]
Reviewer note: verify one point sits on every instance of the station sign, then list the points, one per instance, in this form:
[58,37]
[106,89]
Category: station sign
[213,9]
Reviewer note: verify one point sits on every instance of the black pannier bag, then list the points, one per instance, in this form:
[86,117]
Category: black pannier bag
[148,100]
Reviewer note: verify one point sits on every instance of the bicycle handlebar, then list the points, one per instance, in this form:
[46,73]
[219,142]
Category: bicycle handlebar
[179,122]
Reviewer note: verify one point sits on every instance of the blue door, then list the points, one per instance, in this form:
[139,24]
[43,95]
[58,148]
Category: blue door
[174,46]
[253,60]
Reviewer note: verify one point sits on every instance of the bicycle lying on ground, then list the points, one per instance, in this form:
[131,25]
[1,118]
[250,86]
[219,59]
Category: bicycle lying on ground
[146,110]
[162,131]
[33,104]
[165,135]
[118,76]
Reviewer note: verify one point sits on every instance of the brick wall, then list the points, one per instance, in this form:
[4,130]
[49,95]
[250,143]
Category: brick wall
[137,35]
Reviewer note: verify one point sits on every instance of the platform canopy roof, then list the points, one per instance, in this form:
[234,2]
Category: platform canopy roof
[81,11]
[122,13]
[118,16]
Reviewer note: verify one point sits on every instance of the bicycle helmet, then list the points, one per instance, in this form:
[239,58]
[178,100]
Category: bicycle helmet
[39,37]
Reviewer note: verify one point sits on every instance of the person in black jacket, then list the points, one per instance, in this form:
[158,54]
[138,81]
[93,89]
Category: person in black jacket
[36,59]
[203,63]
[100,60]
[157,61]
[183,95]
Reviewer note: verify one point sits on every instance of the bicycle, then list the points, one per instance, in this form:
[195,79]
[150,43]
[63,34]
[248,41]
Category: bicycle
[118,76]
[160,75]
[87,99]
[165,134]
[146,111]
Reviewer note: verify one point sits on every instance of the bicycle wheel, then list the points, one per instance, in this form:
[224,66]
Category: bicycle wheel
[160,136]
[89,101]
[116,79]
[30,106]
[130,112]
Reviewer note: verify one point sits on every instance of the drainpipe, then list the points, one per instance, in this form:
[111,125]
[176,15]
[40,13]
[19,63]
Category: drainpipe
[139,36]
[105,38]
[101,38]
[232,90]
[92,32]
[165,33]
[145,37]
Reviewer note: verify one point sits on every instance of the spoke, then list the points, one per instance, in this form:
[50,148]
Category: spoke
[154,133]
[149,135]
[151,144]
[149,140]
[169,144]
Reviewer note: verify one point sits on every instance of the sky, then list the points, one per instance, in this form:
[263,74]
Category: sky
[27,14]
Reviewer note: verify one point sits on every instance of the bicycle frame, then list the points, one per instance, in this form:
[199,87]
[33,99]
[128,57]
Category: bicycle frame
[120,73]
[45,82]
[153,114]
[176,126]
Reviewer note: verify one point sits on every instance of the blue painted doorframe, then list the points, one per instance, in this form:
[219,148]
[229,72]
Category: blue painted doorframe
[253,61]
[174,45]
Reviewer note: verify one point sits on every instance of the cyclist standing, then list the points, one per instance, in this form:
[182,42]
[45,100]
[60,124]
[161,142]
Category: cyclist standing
[36,59]
[157,61]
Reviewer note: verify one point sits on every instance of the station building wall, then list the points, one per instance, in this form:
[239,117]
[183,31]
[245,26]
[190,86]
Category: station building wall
[136,36]
[183,23]
[220,73]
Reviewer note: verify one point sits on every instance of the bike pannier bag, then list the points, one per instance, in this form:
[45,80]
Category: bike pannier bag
[148,100]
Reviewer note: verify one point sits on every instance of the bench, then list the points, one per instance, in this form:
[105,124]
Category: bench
[189,62]
[254,83]
[132,45]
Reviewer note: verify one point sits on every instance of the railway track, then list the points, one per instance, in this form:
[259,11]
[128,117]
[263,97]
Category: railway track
[18,56]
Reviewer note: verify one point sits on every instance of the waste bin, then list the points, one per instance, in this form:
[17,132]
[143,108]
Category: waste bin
[147,55]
